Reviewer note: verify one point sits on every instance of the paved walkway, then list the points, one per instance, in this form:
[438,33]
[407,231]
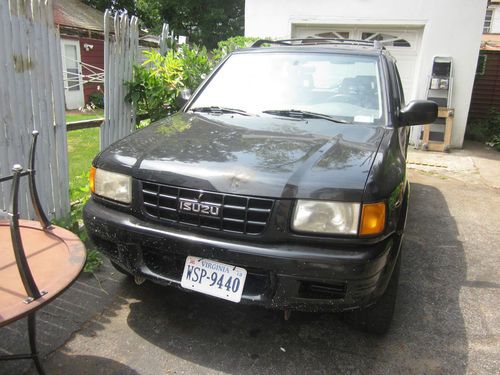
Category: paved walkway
[89,296]
[475,163]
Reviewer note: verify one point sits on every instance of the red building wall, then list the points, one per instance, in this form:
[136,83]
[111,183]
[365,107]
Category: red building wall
[94,57]
[486,91]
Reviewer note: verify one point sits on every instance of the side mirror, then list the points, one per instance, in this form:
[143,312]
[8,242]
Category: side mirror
[418,112]
[182,98]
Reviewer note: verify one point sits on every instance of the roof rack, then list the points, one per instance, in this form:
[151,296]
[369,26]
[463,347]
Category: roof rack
[317,40]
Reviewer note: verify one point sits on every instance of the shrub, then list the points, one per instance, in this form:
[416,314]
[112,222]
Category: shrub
[486,130]
[97,99]
[225,47]
[195,65]
[157,82]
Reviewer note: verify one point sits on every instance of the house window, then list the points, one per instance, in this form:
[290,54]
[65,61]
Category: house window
[481,65]
[387,39]
[488,20]
[72,70]
[334,34]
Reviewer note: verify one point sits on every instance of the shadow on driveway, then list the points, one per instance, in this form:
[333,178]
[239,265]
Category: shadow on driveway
[86,364]
[428,333]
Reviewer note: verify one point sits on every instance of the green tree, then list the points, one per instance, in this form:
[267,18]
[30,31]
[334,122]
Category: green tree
[204,22]
[117,5]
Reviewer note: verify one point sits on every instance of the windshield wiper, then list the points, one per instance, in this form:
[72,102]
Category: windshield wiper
[219,110]
[304,114]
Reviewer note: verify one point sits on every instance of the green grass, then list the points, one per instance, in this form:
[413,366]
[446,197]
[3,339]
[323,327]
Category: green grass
[83,145]
[80,116]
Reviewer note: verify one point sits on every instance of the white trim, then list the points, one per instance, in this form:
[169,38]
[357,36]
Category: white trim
[74,98]
[339,21]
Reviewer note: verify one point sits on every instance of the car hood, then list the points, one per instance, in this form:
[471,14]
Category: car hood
[264,155]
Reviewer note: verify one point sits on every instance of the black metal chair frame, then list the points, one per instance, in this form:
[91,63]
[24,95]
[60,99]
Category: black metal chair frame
[32,291]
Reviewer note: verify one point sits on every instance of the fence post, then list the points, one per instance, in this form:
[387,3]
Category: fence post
[164,39]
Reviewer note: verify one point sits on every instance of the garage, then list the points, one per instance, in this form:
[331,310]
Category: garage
[403,44]
[414,31]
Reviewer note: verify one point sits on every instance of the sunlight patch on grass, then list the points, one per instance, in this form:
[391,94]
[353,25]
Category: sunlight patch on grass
[72,116]
[83,146]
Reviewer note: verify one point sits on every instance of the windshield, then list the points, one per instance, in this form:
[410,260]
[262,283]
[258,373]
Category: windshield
[343,86]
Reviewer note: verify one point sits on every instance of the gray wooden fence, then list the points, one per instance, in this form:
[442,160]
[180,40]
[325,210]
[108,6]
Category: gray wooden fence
[121,52]
[121,45]
[32,98]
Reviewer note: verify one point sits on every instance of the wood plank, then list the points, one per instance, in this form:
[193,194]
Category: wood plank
[5,110]
[52,49]
[429,145]
[107,99]
[41,107]
[447,133]
[17,81]
[84,124]
[46,137]
[60,128]
[117,128]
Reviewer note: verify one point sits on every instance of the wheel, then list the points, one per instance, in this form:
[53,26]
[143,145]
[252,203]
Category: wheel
[377,318]
[120,269]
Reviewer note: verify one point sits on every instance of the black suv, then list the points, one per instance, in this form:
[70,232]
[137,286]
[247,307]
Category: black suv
[281,182]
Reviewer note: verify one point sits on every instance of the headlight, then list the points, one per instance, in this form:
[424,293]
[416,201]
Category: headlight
[111,185]
[326,217]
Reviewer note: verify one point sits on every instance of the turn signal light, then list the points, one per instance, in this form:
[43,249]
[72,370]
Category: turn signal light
[372,219]
[92,179]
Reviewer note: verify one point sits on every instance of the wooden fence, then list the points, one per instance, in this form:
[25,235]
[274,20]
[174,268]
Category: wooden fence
[32,98]
[121,44]
[121,52]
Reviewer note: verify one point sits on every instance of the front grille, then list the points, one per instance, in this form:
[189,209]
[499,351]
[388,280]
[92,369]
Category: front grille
[222,212]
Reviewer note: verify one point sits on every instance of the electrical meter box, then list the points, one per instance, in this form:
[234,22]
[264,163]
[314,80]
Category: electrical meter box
[441,81]
[437,136]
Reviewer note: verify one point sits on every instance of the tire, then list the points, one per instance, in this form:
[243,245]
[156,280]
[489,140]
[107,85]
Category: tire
[120,269]
[377,318]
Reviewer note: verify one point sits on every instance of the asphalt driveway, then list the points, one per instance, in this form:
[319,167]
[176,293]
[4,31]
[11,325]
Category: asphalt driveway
[447,318]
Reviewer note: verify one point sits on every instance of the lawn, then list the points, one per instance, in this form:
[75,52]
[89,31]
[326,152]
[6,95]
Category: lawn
[72,116]
[83,145]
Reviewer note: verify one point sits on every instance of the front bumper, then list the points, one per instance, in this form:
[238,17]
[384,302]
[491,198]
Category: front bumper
[330,278]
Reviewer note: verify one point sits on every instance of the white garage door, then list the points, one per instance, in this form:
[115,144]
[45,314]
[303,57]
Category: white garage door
[403,44]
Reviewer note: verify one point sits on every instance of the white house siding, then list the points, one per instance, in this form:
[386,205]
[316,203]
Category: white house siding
[448,28]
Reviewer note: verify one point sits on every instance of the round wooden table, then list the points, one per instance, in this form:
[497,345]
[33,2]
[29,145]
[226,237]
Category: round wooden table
[55,257]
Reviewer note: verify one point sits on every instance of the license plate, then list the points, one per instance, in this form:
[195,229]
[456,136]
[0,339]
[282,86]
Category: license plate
[214,278]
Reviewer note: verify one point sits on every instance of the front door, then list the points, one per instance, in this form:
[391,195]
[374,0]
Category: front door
[73,87]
